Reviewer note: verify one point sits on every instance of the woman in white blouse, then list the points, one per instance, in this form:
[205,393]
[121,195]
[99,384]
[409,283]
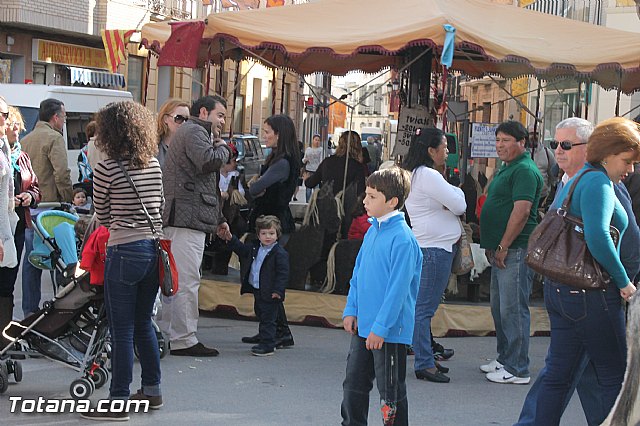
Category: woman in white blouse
[433,206]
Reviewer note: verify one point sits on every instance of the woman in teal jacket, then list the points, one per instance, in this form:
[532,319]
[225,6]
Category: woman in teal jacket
[592,321]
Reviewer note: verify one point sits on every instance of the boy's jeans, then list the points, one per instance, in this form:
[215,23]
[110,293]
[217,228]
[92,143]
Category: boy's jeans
[267,313]
[388,366]
[510,291]
[130,288]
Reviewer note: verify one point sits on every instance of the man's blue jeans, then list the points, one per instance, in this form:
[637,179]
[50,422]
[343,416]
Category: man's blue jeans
[130,287]
[510,291]
[31,277]
[436,269]
[590,322]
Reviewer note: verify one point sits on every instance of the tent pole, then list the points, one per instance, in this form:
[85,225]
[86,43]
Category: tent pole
[220,82]
[586,100]
[274,81]
[578,112]
[282,86]
[208,82]
[235,97]
[618,102]
[146,79]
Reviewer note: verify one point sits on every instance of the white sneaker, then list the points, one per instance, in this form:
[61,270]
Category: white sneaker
[492,367]
[504,377]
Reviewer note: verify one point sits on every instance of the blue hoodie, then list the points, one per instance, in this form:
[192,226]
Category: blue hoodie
[385,281]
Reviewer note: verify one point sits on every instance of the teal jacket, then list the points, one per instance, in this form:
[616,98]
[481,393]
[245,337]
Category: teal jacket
[385,281]
[594,201]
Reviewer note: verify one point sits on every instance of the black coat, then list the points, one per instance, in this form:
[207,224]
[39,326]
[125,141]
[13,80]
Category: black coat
[274,273]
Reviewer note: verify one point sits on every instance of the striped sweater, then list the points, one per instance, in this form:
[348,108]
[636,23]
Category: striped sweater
[117,206]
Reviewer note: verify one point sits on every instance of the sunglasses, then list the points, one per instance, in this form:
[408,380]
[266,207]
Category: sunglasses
[5,114]
[565,145]
[178,119]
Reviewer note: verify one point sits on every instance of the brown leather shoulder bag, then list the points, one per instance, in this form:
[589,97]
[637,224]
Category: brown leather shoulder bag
[557,248]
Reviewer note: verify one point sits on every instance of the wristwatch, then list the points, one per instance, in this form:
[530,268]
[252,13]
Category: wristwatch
[500,248]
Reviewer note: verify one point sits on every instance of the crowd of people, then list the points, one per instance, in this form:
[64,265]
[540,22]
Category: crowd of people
[173,176]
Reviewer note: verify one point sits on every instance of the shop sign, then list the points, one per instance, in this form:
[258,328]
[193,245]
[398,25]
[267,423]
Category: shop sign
[68,54]
[483,140]
[410,120]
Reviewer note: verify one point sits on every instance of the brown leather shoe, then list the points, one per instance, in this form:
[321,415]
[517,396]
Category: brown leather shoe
[155,402]
[196,350]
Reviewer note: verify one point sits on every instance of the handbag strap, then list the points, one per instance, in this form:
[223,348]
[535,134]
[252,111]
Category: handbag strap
[133,186]
[567,201]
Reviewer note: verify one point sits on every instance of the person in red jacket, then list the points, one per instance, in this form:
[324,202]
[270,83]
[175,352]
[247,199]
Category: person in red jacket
[360,222]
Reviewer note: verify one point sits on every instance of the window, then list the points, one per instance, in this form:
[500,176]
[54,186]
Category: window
[238,115]
[135,67]
[197,87]
[286,98]
[76,123]
[248,148]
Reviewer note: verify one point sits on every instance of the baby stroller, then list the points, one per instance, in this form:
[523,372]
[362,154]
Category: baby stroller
[72,327]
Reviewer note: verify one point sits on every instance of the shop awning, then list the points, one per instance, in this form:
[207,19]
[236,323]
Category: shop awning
[96,78]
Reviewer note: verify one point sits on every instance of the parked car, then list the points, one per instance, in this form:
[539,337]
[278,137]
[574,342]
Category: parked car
[250,154]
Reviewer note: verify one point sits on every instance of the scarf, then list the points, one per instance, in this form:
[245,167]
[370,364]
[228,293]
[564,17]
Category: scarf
[15,154]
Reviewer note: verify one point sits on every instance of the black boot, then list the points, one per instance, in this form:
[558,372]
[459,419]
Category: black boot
[6,315]
[284,338]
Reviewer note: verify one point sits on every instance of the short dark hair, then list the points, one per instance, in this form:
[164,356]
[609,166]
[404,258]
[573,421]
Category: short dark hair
[268,222]
[515,129]
[49,108]
[209,102]
[392,182]
[423,139]
[78,191]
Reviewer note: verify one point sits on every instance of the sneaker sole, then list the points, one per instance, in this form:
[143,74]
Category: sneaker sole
[486,370]
[515,381]
[267,354]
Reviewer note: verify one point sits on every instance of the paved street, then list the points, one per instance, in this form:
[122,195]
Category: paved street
[297,386]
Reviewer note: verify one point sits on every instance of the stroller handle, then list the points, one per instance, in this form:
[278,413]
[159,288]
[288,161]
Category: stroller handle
[54,205]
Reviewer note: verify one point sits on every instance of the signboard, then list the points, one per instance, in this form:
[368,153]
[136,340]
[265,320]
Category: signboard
[483,140]
[410,120]
[68,54]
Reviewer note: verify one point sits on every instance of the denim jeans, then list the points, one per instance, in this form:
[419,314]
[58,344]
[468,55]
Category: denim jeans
[31,277]
[389,367]
[584,380]
[436,269]
[130,287]
[590,322]
[510,291]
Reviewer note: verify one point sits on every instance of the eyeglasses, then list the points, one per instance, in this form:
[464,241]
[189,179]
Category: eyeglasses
[178,119]
[5,114]
[565,145]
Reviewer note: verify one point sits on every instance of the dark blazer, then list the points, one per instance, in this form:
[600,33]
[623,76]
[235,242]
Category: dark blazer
[274,273]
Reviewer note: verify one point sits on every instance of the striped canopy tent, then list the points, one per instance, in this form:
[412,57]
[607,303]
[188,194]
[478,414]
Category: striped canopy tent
[337,36]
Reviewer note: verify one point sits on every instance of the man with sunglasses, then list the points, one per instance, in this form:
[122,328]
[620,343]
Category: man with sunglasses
[45,146]
[570,144]
[192,210]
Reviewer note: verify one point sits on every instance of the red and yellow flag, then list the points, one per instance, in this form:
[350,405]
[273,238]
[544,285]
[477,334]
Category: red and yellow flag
[115,42]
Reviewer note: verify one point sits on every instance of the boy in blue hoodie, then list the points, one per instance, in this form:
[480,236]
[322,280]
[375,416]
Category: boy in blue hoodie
[380,308]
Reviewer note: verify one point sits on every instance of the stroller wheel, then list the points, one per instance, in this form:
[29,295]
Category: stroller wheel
[15,368]
[4,378]
[163,345]
[81,388]
[100,377]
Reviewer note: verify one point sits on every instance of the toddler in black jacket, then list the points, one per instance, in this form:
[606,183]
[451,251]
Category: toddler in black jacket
[266,278]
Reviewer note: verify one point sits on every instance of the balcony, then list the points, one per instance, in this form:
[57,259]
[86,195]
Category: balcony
[590,11]
[174,9]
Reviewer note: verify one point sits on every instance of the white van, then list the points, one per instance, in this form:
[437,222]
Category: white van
[80,104]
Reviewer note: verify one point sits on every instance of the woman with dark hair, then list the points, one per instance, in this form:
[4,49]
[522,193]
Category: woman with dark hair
[433,206]
[332,169]
[127,136]
[592,321]
[278,179]
[26,194]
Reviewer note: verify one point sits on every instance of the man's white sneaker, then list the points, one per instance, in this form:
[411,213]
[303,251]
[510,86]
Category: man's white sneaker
[492,367]
[504,377]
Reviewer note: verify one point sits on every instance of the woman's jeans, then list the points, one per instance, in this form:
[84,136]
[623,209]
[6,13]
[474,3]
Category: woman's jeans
[436,269]
[510,291]
[130,287]
[582,321]
[8,276]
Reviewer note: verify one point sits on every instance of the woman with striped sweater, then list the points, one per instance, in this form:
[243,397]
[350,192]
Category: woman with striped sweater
[127,135]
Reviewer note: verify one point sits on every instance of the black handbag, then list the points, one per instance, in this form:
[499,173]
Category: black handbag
[557,248]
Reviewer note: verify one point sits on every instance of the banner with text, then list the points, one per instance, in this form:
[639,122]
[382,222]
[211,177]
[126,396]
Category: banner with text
[410,120]
[483,140]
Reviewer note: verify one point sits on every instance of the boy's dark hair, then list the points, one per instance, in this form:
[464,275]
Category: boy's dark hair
[79,190]
[392,182]
[209,102]
[49,108]
[268,222]
[515,129]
